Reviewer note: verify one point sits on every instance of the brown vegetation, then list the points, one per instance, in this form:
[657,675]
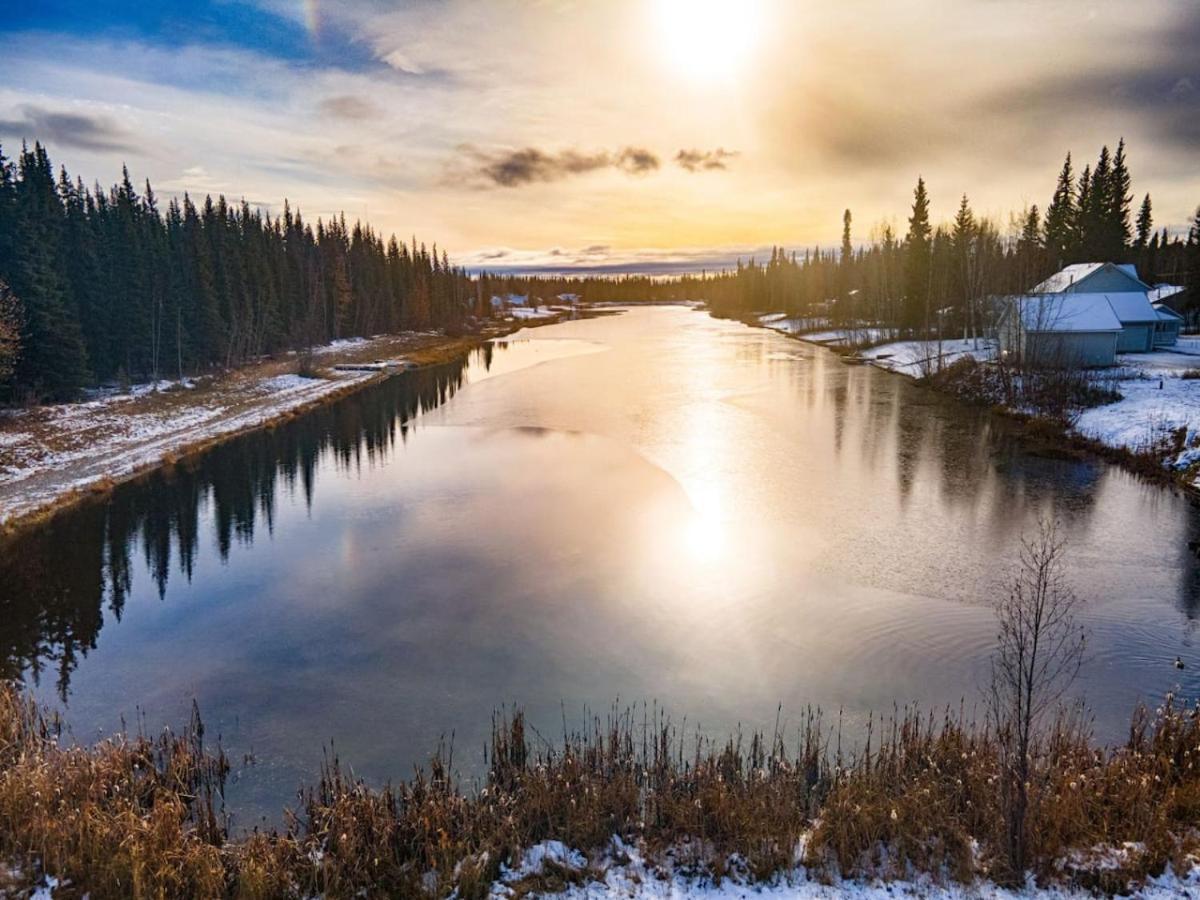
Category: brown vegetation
[140,817]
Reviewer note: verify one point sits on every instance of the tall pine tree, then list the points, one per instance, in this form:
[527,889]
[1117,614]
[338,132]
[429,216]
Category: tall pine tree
[917,253]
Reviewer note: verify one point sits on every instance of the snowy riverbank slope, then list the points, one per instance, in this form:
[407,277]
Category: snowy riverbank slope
[1160,393]
[49,453]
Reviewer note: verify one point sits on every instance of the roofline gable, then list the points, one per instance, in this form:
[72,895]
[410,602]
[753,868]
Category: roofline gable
[1114,267]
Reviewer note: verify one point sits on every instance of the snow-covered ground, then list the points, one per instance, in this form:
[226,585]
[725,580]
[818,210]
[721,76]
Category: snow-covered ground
[624,872]
[535,312]
[919,358]
[816,331]
[1156,401]
[50,452]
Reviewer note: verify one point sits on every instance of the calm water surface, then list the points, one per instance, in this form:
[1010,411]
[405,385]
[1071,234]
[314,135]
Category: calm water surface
[652,506]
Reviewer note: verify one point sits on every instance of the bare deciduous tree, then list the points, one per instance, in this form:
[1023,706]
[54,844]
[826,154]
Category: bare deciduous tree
[1039,651]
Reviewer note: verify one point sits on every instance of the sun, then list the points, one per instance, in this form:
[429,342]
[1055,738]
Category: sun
[708,41]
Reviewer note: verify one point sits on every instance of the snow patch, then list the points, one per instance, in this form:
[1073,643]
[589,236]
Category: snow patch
[621,870]
[920,358]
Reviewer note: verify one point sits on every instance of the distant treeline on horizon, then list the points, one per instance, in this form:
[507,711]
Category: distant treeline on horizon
[101,285]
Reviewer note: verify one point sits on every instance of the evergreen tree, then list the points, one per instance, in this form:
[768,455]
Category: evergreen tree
[1097,228]
[11,321]
[1031,267]
[917,251]
[962,246]
[1061,217]
[1082,228]
[1119,205]
[1194,253]
[1145,224]
[845,261]
[53,361]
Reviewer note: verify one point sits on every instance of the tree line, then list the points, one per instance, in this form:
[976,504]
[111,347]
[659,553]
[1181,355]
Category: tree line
[103,285]
[936,279]
[100,285]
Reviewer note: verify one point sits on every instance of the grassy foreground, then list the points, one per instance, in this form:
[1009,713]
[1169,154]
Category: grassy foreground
[141,817]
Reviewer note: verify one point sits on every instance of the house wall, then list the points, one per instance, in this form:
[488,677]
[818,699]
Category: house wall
[1087,349]
[1167,334]
[1136,339]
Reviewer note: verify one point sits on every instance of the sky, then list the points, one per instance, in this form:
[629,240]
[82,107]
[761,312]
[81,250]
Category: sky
[609,135]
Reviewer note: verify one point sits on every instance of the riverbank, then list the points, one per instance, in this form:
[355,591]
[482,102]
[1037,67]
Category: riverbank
[54,456]
[632,807]
[1151,425]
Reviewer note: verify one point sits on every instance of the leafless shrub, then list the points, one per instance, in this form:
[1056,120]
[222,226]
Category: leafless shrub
[1039,651]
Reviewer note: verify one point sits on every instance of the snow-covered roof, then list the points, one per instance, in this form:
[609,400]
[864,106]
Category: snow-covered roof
[1073,275]
[1162,291]
[1067,312]
[1129,307]
[1060,281]
[1166,313]
[510,299]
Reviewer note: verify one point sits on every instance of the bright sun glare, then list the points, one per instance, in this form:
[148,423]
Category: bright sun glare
[708,40]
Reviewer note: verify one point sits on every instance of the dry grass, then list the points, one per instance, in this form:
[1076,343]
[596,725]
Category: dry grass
[141,817]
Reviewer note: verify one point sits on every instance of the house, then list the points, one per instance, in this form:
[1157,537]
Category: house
[1094,278]
[503,301]
[1170,324]
[1060,329]
[1118,286]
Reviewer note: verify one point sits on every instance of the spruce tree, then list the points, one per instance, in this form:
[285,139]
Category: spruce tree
[917,251]
[962,241]
[53,361]
[1119,199]
[1097,243]
[11,321]
[1145,224]
[1081,229]
[845,260]
[1060,218]
[1194,253]
[1030,262]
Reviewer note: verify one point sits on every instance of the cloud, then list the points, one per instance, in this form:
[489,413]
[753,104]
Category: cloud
[605,260]
[531,165]
[704,160]
[348,106]
[637,160]
[67,129]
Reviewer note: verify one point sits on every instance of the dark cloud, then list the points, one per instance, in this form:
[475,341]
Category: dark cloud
[637,160]
[348,106]
[67,129]
[531,165]
[704,160]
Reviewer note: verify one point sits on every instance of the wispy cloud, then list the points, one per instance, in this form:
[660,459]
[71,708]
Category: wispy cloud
[530,165]
[349,106]
[67,129]
[481,123]
[704,160]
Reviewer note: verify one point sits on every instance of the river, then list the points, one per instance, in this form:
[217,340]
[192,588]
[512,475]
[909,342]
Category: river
[654,506]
